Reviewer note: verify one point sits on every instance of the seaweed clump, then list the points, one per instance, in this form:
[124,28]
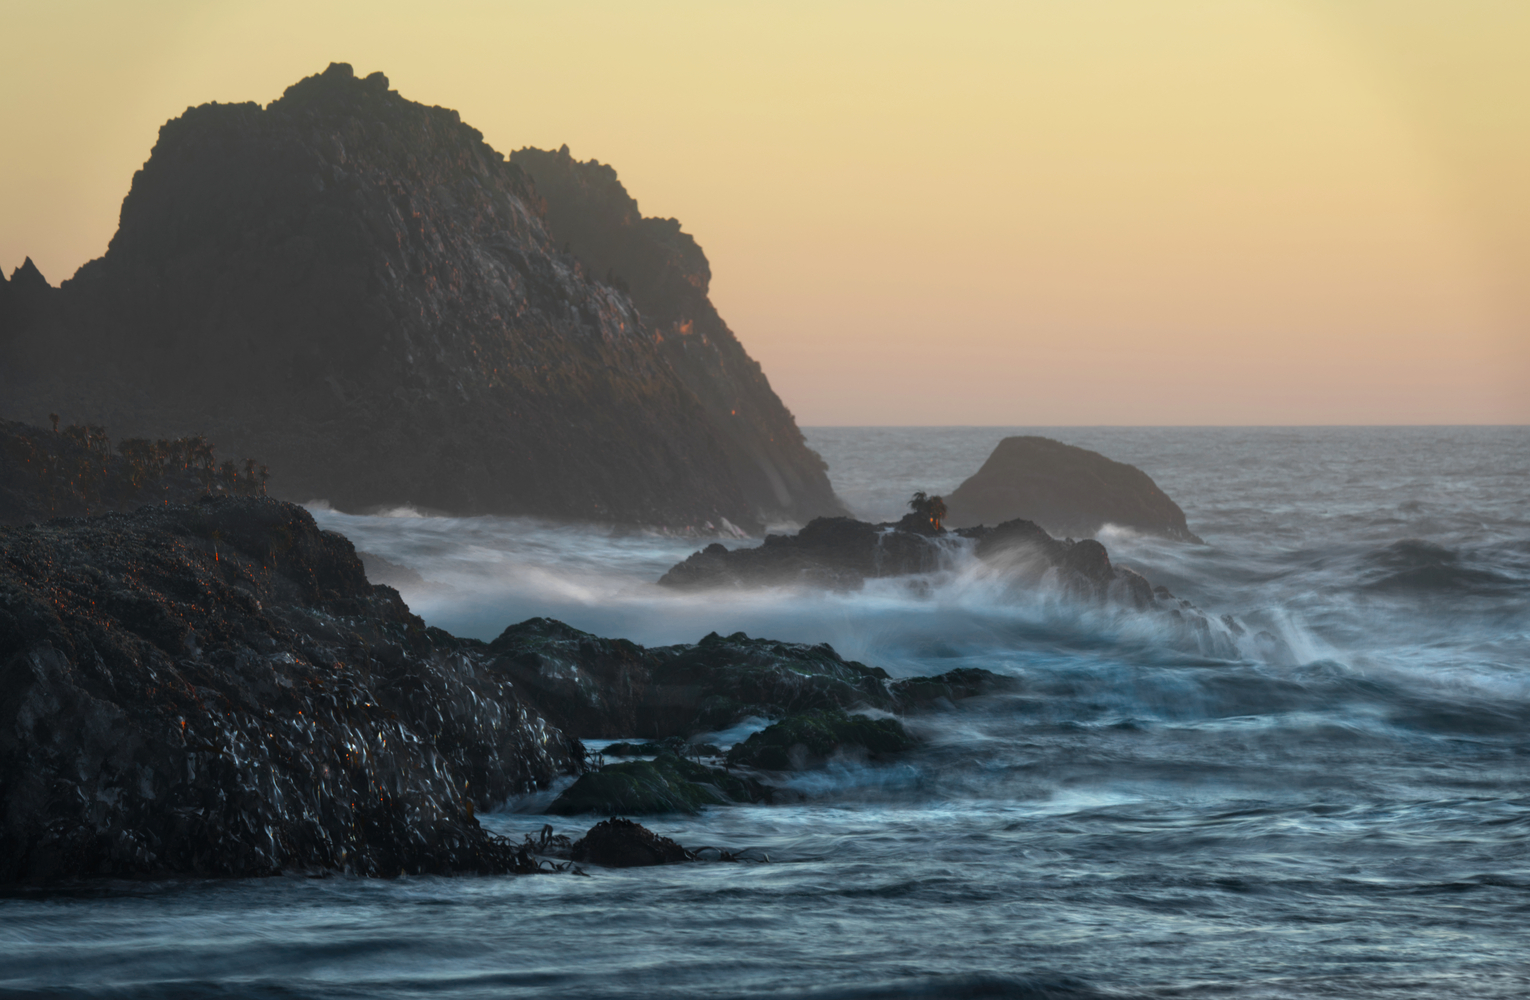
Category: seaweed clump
[804,741]
[673,744]
[667,784]
[621,843]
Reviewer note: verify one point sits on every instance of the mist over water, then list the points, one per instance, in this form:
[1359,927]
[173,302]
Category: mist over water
[1345,812]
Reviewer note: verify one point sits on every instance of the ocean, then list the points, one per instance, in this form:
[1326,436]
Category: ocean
[1342,813]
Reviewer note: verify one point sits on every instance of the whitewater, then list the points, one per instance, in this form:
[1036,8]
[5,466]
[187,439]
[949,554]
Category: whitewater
[1343,811]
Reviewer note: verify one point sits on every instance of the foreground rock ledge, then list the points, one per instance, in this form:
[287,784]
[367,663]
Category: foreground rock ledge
[216,689]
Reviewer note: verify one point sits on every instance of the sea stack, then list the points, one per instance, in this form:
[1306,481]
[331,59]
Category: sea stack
[359,290]
[1067,490]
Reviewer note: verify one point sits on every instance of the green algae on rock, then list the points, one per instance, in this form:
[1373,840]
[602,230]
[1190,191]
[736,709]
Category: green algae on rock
[809,740]
[666,784]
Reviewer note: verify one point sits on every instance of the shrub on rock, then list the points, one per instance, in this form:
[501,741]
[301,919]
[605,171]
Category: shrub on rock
[621,843]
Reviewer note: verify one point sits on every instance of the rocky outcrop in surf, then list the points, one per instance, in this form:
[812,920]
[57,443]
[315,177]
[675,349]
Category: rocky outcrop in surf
[216,689]
[843,553]
[1066,490]
[614,688]
[361,291]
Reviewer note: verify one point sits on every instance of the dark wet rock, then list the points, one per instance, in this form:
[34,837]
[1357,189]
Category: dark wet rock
[842,553]
[943,690]
[605,688]
[1066,490]
[809,740]
[217,689]
[666,784]
[359,290]
[835,552]
[621,843]
[380,570]
[611,687]
[673,744]
[77,471]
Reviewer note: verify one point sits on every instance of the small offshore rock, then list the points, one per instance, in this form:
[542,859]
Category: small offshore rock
[1066,489]
[621,843]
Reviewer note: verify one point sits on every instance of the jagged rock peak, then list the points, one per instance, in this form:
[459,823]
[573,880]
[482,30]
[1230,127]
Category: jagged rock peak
[27,276]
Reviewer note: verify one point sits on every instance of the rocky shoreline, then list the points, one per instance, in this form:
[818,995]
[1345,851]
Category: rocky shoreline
[216,689]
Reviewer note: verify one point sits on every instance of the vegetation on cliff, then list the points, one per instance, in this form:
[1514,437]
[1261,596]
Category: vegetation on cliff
[77,471]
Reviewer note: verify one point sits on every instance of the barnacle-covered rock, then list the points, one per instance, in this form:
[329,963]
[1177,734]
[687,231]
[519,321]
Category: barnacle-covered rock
[217,689]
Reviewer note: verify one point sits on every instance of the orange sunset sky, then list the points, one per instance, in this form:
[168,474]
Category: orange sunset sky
[1022,213]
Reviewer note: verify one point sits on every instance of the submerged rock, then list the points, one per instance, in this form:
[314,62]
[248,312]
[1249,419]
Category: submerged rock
[216,689]
[809,740]
[666,784]
[621,843]
[1066,490]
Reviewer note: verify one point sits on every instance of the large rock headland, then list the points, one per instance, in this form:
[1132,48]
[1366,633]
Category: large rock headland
[361,291]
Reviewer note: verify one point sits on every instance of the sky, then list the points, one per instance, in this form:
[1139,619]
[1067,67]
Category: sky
[1027,213]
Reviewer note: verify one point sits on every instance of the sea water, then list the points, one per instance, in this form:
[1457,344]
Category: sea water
[1345,815]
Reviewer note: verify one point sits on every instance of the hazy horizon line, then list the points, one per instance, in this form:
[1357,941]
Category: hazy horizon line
[1140,426]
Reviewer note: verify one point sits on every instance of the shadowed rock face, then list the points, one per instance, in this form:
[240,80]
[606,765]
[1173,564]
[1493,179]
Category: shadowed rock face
[357,291]
[1067,490]
[667,275]
[216,689]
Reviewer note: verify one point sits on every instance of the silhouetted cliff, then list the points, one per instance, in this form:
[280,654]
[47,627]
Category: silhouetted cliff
[361,291]
[666,274]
